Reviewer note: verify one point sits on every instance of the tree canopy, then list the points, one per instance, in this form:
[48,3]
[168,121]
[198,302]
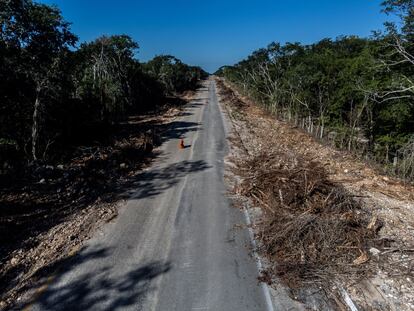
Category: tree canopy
[52,93]
[357,90]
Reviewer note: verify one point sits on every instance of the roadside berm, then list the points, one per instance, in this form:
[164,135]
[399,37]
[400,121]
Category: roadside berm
[331,228]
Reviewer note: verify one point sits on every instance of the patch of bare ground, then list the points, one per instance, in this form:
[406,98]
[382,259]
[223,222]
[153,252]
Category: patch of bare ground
[329,222]
[49,212]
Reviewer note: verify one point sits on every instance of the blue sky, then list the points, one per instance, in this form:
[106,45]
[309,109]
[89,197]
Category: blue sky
[213,33]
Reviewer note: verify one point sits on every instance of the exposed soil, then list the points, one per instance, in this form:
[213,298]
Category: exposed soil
[47,213]
[329,222]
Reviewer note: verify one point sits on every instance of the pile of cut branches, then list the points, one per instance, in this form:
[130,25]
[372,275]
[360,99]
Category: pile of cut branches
[312,228]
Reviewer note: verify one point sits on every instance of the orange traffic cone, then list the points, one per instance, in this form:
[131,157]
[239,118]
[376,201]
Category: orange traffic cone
[182,146]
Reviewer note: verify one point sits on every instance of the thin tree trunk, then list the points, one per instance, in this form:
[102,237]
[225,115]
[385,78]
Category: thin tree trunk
[35,125]
[387,154]
[350,141]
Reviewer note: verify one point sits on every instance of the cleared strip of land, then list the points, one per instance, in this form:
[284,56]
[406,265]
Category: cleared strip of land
[328,221]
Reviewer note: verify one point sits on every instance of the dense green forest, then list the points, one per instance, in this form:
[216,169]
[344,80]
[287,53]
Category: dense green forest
[55,93]
[355,92]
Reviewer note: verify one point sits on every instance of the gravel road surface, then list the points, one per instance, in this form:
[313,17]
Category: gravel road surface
[176,244]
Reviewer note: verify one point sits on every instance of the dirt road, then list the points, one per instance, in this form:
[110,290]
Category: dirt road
[176,244]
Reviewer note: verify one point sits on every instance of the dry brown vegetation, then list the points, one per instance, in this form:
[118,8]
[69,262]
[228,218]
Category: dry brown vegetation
[312,227]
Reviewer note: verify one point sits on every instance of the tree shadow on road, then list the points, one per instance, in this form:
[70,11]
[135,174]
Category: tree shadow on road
[99,289]
[177,129]
[156,181]
[90,183]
